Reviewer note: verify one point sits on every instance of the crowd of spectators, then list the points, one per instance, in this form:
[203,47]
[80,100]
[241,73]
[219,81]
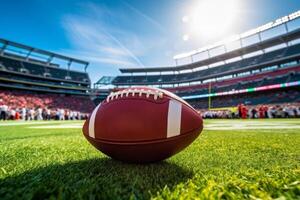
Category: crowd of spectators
[270,97]
[287,110]
[19,105]
[7,113]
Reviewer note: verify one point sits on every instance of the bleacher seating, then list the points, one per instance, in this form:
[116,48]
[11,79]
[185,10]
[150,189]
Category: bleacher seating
[234,66]
[42,81]
[255,98]
[294,77]
[12,64]
[20,99]
[267,78]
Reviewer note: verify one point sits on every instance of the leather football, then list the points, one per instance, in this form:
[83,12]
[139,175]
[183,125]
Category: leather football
[142,124]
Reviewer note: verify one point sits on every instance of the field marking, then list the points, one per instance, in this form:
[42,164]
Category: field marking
[241,127]
[60,126]
[250,125]
[255,122]
[208,124]
[28,123]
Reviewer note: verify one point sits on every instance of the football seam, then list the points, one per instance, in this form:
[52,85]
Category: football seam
[136,98]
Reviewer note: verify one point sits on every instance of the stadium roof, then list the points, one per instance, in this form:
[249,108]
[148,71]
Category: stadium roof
[5,45]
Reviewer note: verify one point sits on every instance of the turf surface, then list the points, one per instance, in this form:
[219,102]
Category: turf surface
[233,163]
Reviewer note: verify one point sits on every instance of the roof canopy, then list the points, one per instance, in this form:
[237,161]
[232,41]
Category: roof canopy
[32,53]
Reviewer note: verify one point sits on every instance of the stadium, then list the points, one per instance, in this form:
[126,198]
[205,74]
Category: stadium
[252,68]
[246,87]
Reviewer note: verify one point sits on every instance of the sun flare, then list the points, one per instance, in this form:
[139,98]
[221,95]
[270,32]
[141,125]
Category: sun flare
[211,18]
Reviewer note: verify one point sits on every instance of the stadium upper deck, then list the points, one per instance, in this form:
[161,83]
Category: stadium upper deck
[28,68]
[254,50]
[284,56]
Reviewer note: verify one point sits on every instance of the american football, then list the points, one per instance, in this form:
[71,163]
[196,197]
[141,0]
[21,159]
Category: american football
[142,124]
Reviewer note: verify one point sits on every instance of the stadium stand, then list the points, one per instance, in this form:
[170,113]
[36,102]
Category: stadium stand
[255,98]
[252,73]
[230,68]
[29,83]
[265,78]
[21,99]
[26,72]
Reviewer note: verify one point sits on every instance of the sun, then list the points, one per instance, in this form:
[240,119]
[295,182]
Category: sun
[211,18]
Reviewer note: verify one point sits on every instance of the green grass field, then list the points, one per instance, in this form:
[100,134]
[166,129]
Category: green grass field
[232,159]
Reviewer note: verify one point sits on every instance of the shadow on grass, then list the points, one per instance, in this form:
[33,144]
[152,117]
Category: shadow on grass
[101,178]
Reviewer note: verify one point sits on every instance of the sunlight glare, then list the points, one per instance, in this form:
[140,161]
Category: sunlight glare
[212,18]
[185,37]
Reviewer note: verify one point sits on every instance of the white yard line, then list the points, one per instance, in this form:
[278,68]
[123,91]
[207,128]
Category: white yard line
[208,125]
[235,126]
[61,126]
[251,127]
[19,123]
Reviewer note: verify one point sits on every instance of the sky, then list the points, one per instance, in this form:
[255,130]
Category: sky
[113,34]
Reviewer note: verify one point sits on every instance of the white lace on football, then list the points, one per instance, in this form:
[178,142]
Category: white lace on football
[133,92]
